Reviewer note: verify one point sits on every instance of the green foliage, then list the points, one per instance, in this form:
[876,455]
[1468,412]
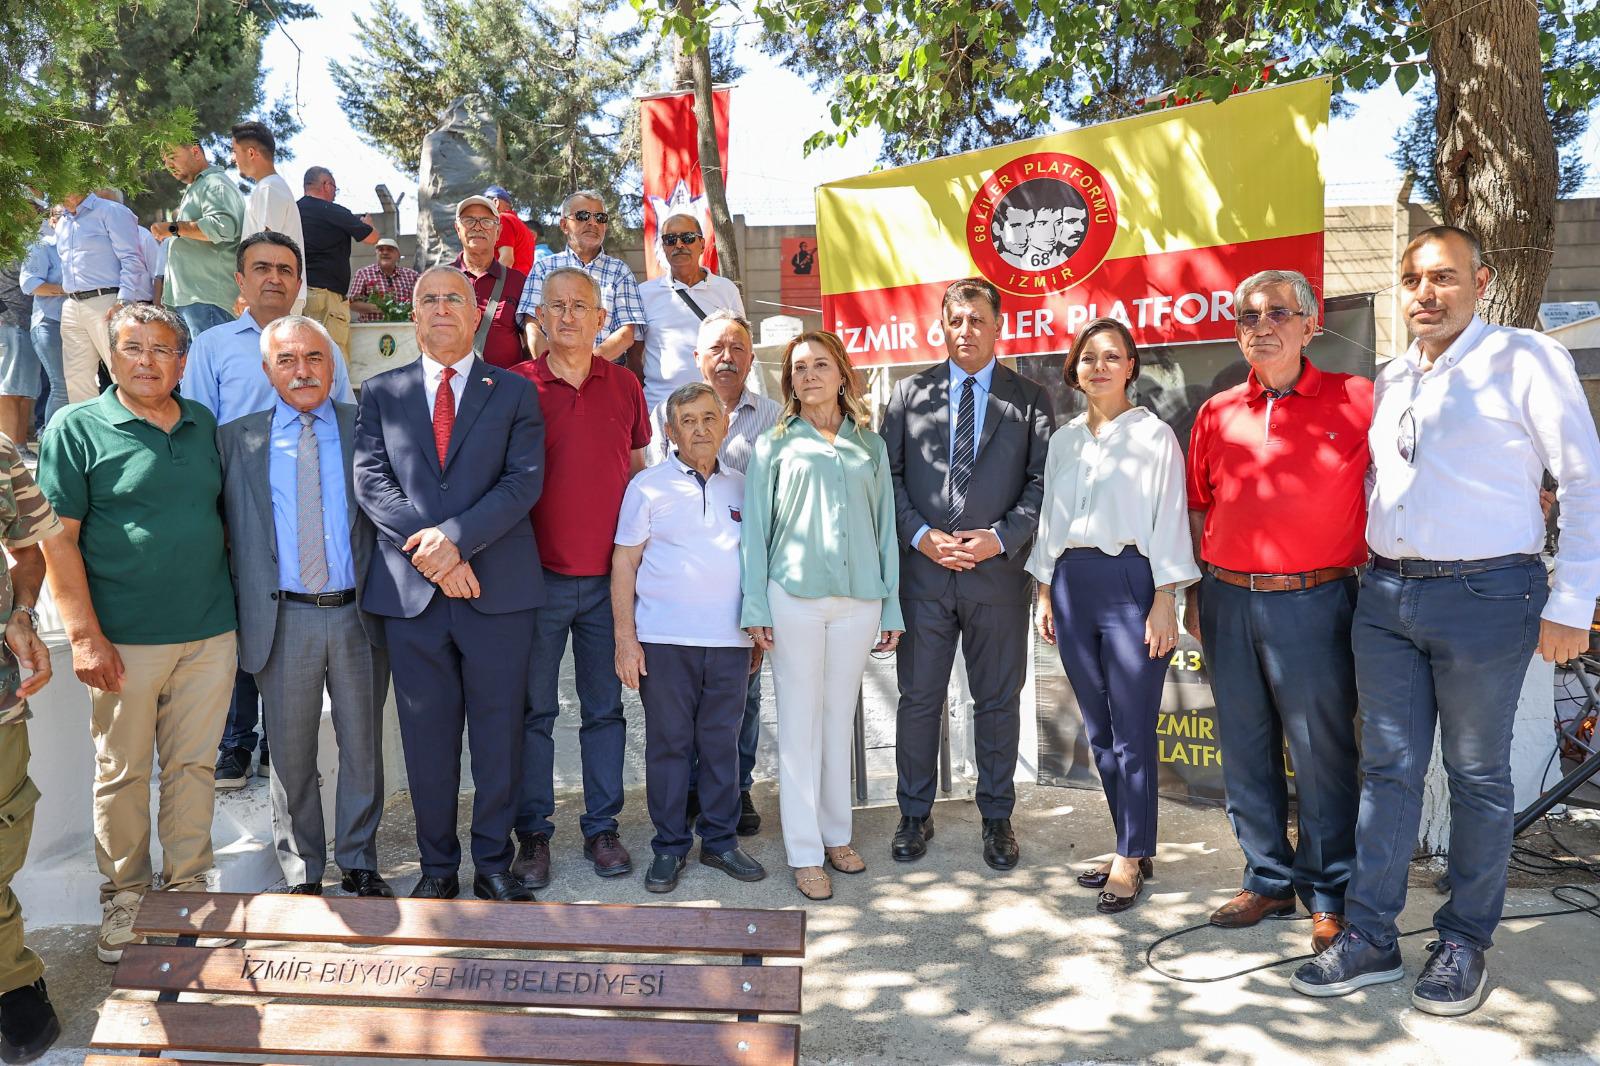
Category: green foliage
[555,83]
[389,308]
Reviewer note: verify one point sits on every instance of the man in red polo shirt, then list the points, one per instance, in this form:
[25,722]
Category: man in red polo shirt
[498,340]
[596,430]
[1277,507]
[514,246]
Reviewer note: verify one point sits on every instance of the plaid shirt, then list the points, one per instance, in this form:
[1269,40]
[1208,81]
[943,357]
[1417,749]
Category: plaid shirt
[371,279]
[618,291]
[25,519]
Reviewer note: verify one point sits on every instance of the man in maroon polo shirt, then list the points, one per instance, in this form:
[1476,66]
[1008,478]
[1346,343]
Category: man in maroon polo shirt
[477,225]
[596,430]
[1277,508]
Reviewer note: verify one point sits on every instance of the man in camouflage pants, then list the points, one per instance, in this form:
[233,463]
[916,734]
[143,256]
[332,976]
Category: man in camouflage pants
[28,1024]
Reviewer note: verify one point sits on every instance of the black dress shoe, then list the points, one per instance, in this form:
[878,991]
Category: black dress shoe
[1110,904]
[28,1023]
[366,883]
[502,887]
[1000,849]
[663,873]
[735,863]
[911,838]
[749,819]
[310,888]
[1098,878]
[430,887]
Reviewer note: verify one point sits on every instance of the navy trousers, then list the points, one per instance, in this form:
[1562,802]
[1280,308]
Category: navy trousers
[1450,651]
[749,739]
[1281,667]
[1101,602]
[694,702]
[455,667]
[243,712]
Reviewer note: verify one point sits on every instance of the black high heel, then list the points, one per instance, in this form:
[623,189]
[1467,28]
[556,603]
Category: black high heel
[1098,878]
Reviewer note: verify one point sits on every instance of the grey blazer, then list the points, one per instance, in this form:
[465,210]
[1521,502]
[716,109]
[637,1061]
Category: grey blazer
[246,447]
[1006,490]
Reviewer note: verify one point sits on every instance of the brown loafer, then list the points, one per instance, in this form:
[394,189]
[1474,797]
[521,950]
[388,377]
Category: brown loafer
[1325,925]
[813,882]
[1248,908]
[845,859]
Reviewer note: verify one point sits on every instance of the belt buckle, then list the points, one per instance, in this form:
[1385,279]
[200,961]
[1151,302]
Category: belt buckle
[1253,583]
[329,599]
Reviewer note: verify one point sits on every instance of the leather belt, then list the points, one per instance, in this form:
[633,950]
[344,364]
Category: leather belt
[89,294]
[1451,568]
[1309,579]
[320,599]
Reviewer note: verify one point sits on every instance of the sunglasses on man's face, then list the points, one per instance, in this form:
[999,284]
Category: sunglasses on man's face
[585,215]
[688,239]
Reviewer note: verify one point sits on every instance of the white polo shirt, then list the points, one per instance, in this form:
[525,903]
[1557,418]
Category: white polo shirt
[687,590]
[671,329]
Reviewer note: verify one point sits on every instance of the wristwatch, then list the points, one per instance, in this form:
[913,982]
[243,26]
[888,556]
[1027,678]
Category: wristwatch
[33,616]
[172,228]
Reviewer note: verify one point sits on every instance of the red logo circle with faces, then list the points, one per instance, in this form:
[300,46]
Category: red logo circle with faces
[1041,223]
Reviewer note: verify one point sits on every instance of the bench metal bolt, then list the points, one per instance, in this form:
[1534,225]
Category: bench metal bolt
[183,912]
[744,1045]
[751,928]
[166,966]
[146,1021]
[747,986]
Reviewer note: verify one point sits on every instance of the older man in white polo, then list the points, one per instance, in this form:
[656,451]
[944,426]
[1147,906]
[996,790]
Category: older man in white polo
[674,306]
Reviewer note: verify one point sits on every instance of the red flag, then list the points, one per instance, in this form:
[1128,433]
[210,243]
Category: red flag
[670,146]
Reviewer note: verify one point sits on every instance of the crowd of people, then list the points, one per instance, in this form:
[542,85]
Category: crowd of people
[226,522]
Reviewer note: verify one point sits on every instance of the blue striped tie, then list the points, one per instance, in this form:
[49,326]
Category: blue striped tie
[962,456]
[308,502]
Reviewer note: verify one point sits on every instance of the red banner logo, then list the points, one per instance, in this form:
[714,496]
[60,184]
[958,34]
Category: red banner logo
[1042,223]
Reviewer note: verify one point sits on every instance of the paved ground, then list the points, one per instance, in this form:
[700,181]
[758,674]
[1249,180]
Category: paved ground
[944,961]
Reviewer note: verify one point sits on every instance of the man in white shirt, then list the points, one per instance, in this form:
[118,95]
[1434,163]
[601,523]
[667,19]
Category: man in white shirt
[674,306]
[1455,603]
[272,204]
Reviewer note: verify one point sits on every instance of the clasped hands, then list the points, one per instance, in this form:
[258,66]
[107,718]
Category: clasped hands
[436,558]
[961,550]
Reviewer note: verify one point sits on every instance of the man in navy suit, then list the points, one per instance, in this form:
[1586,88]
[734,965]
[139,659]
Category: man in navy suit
[449,461]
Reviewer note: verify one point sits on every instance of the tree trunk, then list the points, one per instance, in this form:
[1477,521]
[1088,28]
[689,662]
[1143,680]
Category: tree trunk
[711,173]
[1497,164]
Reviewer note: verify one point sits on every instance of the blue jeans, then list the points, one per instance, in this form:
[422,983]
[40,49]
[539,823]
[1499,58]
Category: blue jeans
[201,317]
[749,739]
[243,713]
[47,346]
[580,606]
[1450,651]
[1281,670]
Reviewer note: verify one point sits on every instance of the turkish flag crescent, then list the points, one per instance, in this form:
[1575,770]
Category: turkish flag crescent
[670,147]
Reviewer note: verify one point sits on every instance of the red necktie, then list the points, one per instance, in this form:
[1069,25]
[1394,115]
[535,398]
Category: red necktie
[444,415]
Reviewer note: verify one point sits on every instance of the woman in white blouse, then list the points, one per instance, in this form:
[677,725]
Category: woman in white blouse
[1112,552]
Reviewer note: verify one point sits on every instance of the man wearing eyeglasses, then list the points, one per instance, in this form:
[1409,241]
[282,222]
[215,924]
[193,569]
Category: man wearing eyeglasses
[674,306]
[583,221]
[141,580]
[1277,509]
[1454,606]
[498,287]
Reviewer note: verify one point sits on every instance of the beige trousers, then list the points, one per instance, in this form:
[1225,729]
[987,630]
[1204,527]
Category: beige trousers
[174,703]
[333,311]
[85,344]
[18,965]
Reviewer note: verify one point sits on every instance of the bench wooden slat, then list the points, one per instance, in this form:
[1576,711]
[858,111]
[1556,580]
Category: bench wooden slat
[412,1032]
[448,978]
[620,928]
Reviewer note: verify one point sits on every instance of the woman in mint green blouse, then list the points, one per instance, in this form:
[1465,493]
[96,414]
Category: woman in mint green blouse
[821,579]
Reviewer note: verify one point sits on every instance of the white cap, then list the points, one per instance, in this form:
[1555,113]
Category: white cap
[479,201]
[387,242]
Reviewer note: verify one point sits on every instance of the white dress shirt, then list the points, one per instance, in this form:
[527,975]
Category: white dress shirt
[1120,488]
[672,329]
[432,371]
[1498,408]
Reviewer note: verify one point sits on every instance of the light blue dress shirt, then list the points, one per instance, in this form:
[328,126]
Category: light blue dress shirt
[43,265]
[99,247]
[282,475]
[981,382]
[224,373]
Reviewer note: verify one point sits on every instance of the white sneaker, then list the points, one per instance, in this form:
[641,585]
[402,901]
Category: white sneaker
[116,927]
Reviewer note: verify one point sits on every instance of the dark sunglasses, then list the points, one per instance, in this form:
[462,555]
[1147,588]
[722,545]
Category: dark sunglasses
[1277,316]
[585,215]
[688,239]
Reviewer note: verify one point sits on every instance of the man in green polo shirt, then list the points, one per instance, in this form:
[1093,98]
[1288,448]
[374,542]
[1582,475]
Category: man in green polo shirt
[141,580]
[202,239]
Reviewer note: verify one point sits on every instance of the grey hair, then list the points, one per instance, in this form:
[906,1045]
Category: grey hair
[283,325]
[1304,295]
[315,175]
[450,271]
[684,395]
[582,194]
[149,314]
[685,215]
[571,272]
[721,315]
[110,192]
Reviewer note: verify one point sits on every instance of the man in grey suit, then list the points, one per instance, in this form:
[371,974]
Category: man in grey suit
[299,553]
[967,442]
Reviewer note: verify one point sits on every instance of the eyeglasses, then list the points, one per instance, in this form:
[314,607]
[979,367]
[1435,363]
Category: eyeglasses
[585,215]
[159,354]
[1406,441]
[476,222]
[1277,316]
[577,310]
[687,239]
[434,299]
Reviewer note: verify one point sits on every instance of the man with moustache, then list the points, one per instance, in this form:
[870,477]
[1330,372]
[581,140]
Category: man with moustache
[1455,603]
[1276,511]
[271,205]
[300,549]
[497,287]
[205,232]
[674,306]
[449,461]
[584,219]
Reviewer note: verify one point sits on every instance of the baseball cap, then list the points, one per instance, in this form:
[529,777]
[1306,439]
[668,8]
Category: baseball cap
[387,242]
[479,201]
[497,192]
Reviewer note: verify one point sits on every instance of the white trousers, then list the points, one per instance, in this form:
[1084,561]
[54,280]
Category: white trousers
[819,652]
[85,344]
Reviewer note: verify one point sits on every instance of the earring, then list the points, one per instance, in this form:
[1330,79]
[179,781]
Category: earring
[841,390]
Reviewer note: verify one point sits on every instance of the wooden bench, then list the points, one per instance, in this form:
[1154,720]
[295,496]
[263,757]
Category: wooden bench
[336,1001]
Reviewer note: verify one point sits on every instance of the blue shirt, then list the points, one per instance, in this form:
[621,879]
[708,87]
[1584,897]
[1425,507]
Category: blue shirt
[99,248]
[43,265]
[224,372]
[980,404]
[282,476]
